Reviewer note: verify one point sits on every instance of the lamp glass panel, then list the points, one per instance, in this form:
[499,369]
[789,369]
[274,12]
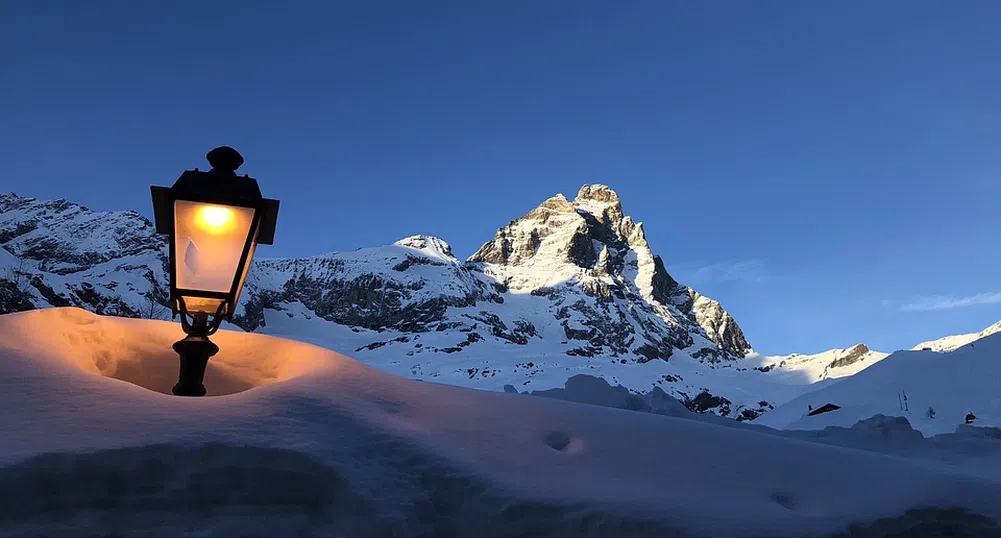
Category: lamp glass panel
[206,305]
[246,269]
[209,241]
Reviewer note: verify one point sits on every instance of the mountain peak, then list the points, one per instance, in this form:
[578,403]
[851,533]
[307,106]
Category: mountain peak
[558,202]
[596,193]
[555,205]
[568,237]
[858,348]
[599,200]
[603,204]
[589,246]
[428,245]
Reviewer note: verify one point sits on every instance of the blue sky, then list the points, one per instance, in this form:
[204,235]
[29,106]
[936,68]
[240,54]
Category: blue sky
[828,170]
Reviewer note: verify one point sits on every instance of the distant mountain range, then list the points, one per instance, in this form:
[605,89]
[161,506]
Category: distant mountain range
[950,343]
[570,288]
[934,387]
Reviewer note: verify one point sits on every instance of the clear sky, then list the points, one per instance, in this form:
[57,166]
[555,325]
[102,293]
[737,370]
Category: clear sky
[828,170]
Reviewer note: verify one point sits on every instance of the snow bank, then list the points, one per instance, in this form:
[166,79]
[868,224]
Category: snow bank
[303,438]
[593,390]
[596,391]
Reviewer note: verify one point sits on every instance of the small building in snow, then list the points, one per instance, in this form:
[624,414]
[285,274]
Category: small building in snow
[824,409]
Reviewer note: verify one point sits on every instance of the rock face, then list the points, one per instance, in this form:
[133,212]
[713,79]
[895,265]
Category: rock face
[571,287]
[849,356]
[719,325]
[57,253]
[612,295]
[409,287]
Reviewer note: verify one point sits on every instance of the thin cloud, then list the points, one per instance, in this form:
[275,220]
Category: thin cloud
[927,304]
[730,271]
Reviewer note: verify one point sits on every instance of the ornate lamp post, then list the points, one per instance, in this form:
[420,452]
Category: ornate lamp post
[215,221]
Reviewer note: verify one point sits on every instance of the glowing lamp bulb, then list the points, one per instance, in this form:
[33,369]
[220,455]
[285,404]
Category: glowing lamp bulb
[214,217]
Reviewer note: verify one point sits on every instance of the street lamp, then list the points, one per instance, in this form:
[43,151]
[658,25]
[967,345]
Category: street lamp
[215,220]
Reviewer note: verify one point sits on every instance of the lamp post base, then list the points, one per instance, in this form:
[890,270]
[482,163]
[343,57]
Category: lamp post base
[194,352]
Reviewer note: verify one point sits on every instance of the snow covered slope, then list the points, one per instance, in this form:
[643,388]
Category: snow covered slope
[831,364]
[309,442]
[840,363]
[950,343]
[67,255]
[967,380]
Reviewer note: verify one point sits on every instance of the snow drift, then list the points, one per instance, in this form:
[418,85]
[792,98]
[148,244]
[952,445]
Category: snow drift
[303,440]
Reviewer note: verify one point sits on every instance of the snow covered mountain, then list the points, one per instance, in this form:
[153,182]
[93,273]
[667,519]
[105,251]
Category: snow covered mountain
[57,253]
[830,364]
[581,269]
[570,288]
[948,375]
[908,383]
[950,343]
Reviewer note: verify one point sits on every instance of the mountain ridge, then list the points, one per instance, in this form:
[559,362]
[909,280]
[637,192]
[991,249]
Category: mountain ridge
[953,342]
[933,389]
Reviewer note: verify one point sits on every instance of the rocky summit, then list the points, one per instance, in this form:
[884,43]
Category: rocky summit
[570,288]
[609,291]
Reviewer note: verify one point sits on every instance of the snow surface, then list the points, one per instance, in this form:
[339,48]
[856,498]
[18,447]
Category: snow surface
[543,365]
[309,442]
[950,343]
[799,368]
[952,383]
[492,364]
